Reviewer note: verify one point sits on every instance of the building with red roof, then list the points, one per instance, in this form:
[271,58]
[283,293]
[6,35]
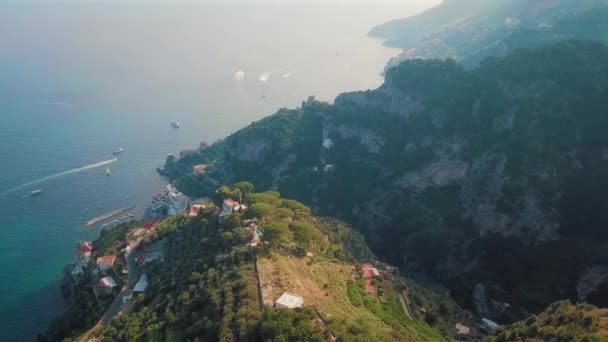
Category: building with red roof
[83,252]
[199,169]
[105,262]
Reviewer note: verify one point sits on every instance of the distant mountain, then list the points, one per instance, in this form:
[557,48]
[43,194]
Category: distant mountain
[488,180]
[467,31]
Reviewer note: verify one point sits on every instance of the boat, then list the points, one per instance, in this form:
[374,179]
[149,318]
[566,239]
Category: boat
[118,151]
[36,192]
[108,172]
[175,124]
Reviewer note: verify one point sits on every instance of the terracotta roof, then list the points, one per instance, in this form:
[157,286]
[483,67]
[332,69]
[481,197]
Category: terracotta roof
[106,260]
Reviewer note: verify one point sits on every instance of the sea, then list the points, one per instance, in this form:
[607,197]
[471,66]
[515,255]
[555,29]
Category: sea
[79,79]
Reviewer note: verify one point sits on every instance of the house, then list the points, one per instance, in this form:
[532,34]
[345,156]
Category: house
[462,331]
[83,252]
[230,206]
[141,284]
[105,262]
[195,209]
[199,169]
[108,284]
[369,273]
[289,301]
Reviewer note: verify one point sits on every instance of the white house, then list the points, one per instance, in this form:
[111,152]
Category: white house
[108,283]
[289,301]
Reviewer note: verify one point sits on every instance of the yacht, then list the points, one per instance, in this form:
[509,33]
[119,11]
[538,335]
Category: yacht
[175,124]
[118,151]
[36,193]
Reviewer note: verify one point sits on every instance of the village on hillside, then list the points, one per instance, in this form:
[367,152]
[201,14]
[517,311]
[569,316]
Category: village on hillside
[295,258]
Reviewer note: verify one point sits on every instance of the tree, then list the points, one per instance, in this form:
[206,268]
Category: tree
[254,198]
[221,194]
[231,221]
[245,187]
[284,214]
[304,233]
[278,233]
[262,211]
[296,207]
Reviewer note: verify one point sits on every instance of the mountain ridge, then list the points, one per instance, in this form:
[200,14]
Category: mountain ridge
[431,161]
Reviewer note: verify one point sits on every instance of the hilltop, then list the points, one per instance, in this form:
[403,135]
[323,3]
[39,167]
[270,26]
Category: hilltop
[223,268]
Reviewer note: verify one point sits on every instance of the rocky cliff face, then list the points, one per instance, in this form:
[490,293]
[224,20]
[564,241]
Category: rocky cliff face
[469,176]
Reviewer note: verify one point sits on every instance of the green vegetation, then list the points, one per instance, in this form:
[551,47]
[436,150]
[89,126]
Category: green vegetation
[206,288]
[446,170]
[562,321]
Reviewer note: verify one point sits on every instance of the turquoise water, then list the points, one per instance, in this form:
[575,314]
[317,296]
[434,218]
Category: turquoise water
[78,81]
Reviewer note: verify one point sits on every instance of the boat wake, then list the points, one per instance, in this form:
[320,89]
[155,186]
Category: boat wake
[63,104]
[239,76]
[65,173]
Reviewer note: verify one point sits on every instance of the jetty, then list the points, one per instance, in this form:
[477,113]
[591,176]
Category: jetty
[108,216]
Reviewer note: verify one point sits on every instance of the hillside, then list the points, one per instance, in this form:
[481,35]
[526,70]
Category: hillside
[562,321]
[222,270]
[469,31]
[446,171]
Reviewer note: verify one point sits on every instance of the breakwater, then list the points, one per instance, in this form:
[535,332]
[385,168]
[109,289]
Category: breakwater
[108,216]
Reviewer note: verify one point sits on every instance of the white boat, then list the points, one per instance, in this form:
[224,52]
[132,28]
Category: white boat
[175,124]
[108,172]
[36,192]
[118,151]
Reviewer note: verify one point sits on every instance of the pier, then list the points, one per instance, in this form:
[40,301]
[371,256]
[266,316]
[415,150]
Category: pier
[108,216]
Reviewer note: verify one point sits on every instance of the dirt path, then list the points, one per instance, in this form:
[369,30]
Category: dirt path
[402,296]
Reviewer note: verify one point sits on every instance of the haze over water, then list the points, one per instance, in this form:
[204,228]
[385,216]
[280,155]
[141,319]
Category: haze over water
[77,81]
